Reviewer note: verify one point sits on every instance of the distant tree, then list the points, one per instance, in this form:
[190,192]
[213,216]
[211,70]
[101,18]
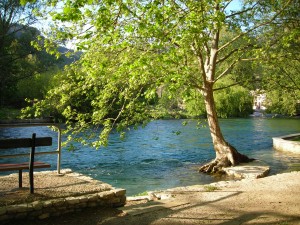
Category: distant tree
[281,84]
[282,102]
[133,47]
[234,102]
[19,60]
[14,18]
[280,71]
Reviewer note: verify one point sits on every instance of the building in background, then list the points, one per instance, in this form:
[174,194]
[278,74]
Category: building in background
[259,100]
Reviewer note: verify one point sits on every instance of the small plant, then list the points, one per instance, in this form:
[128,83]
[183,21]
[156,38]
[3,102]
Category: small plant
[210,188]
[283,223]
[142,193]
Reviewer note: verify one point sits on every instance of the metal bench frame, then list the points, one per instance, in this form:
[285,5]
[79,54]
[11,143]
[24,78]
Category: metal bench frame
[37,124]
[22,166]
[23,143]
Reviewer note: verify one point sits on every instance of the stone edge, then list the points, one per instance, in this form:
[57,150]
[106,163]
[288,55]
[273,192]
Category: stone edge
[281,144]
[56,207]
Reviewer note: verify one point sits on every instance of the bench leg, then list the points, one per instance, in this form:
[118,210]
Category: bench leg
[20,178]
[31,163]
[31,182]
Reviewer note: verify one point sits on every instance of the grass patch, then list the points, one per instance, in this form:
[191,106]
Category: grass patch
[210,188]
[142,194]
[283,223]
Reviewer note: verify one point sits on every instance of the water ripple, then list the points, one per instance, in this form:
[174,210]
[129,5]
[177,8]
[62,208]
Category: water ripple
[156,158]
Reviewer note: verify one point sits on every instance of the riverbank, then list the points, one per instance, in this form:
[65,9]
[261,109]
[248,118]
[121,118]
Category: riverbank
[270,200]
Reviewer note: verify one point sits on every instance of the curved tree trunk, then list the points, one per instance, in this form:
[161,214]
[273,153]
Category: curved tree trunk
[226,155]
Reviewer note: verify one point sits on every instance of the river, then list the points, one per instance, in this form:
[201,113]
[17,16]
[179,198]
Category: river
[167,153]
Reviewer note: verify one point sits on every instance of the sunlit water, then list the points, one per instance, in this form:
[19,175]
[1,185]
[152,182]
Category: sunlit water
[167,154]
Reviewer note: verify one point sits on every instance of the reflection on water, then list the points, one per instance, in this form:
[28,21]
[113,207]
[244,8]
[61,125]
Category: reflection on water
[159,157]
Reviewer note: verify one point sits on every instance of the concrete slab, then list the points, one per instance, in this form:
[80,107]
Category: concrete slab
[252,170]
[286,144]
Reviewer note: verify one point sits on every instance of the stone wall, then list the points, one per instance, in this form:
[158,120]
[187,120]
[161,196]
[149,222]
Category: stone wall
[59,206]
[284,144]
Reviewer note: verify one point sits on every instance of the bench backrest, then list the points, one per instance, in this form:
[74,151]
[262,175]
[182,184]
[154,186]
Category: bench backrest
[25,142]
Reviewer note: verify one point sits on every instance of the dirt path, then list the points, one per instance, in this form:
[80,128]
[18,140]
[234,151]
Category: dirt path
[270,200]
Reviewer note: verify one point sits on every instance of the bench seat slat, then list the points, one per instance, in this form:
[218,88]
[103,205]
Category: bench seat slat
[22,166]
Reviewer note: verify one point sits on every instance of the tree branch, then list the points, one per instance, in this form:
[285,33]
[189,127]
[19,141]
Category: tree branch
[254,28]
[243,11]
[292,80]
[227,70]
[250,59]
[196,86]
[226,5]
[228,86]
[200,60]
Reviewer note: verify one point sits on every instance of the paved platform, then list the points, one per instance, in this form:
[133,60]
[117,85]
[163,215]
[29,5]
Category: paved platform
[69,191]
[55,194]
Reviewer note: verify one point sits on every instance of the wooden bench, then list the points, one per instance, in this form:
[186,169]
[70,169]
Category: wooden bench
[24,143]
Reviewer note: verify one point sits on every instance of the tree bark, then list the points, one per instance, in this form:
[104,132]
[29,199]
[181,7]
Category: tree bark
[226,154]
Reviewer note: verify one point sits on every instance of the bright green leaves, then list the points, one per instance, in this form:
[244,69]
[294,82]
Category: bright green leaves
[24,2]
[233,102]
[98,91]
[281,81]
[69,13]
[283,102]
[133,48]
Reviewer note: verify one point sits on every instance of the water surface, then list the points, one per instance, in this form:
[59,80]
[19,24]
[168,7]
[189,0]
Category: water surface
[167,154]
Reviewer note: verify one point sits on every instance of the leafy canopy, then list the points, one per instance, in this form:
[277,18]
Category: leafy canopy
[133,47]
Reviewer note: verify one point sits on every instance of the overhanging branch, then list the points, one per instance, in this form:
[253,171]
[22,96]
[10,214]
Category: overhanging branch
[243,11]
[254,28]
[228,86]
[227,70]
[232,52]
[289,76]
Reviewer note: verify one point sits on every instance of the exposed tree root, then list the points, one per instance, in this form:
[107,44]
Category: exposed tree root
[232,158]
[215,166]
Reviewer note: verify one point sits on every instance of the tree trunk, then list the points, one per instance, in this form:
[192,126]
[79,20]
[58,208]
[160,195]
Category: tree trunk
[226,155]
